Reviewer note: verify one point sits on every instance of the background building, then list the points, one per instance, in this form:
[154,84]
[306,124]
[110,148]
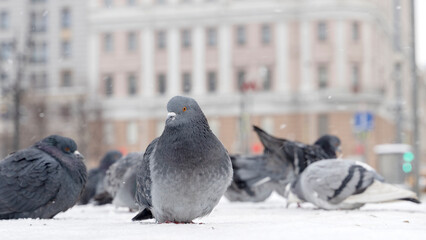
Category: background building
[298,69]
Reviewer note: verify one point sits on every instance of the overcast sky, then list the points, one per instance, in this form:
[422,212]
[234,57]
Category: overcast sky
[421,33]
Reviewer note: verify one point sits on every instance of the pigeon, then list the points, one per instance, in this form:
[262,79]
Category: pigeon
[281,162]
[120,182]
[344,184]
[42,180]
[184,172]
[95,183]
[251,185]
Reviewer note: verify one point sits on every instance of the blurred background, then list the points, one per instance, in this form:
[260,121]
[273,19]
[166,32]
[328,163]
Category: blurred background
[102,71]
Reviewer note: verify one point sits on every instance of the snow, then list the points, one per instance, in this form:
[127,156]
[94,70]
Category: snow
[267,220]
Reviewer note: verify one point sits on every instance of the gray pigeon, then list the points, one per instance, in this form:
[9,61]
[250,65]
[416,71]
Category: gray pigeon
[344,184]
[120,181]
[42,180]
[95,182]
[185,171]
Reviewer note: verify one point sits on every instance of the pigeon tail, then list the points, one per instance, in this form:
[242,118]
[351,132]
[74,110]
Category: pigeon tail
[144,215]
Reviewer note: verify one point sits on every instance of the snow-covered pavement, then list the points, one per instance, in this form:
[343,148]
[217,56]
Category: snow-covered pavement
[267,220]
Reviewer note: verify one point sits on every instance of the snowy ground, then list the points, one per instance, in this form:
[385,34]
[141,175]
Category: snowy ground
[268,220]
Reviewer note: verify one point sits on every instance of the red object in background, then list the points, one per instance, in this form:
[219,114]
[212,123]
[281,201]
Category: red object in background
[359,149]
[256,148]
[123,150]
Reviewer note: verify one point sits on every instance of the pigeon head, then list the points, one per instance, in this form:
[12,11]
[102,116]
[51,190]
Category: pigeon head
[59,144]
[110,158]
[330,144]
[183,110]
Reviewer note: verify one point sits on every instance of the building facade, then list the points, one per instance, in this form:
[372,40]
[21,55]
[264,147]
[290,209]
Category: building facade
[43,47]
[298,69]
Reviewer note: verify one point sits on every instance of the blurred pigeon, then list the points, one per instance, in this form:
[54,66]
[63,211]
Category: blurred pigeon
[344,184]
[95,183]
[256,177]
[185,171]
[42,180]
[281,162]
[120,182]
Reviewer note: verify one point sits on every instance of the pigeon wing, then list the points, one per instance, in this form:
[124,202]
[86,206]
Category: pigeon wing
[335,180]
[143,193]
[29,179]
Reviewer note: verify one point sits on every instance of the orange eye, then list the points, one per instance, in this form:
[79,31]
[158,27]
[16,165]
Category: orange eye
[67,149]
[184,109]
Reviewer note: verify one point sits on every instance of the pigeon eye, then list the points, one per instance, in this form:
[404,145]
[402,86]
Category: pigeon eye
[67,149]
[184,109]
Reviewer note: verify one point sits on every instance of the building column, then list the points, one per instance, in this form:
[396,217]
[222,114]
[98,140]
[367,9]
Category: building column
[282,69]
[340,61]
[367,57]
[225,59]
[93,65]
[147,54]
[199,66]
[306,83]
[173,73]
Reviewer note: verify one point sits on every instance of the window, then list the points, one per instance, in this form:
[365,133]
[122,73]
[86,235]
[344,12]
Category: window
[265,75]
[5,51]
[66,18]
[109,86]
[43,53]
[38,80]
[132,86]
[241,80]
[42,82]
[66,79]
[3,80]
[355,31]
[66,49]
[322,77]
[160,2]
[161,83]
[322,124]
[211,37]
[132,133]
[211,82]
[38,52]
[108,42]
[322,31]
[355,79]
[65,112]
[186,83]
[241,35]
[109,133]
[108,3]
[266,34]
[186,38]
[131,2]
[38,21]
[4,20]
[161,39]
[131,41]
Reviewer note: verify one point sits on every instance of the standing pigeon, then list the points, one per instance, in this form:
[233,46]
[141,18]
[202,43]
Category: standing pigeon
[95,183]
[344,184]
[185,171]
[42,180]
[281,162]
[120,181]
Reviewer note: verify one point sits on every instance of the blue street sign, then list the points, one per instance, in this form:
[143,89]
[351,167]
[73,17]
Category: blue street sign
[363,121]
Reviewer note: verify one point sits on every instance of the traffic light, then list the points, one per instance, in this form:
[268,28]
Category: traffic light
[408,158]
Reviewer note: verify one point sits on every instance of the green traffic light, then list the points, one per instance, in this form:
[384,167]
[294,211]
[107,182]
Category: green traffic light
[406,167]
[408,156]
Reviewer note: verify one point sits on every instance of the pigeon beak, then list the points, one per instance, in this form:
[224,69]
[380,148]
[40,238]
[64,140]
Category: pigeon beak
[78,155]
[171,116]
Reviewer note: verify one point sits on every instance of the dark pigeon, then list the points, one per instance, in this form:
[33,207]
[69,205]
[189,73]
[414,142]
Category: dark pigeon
[120,181]
[280,163]
[344,184]
[185,171]
[42,180]
[95,183]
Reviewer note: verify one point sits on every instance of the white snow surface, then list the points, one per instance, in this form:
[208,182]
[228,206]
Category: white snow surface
[268,220]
